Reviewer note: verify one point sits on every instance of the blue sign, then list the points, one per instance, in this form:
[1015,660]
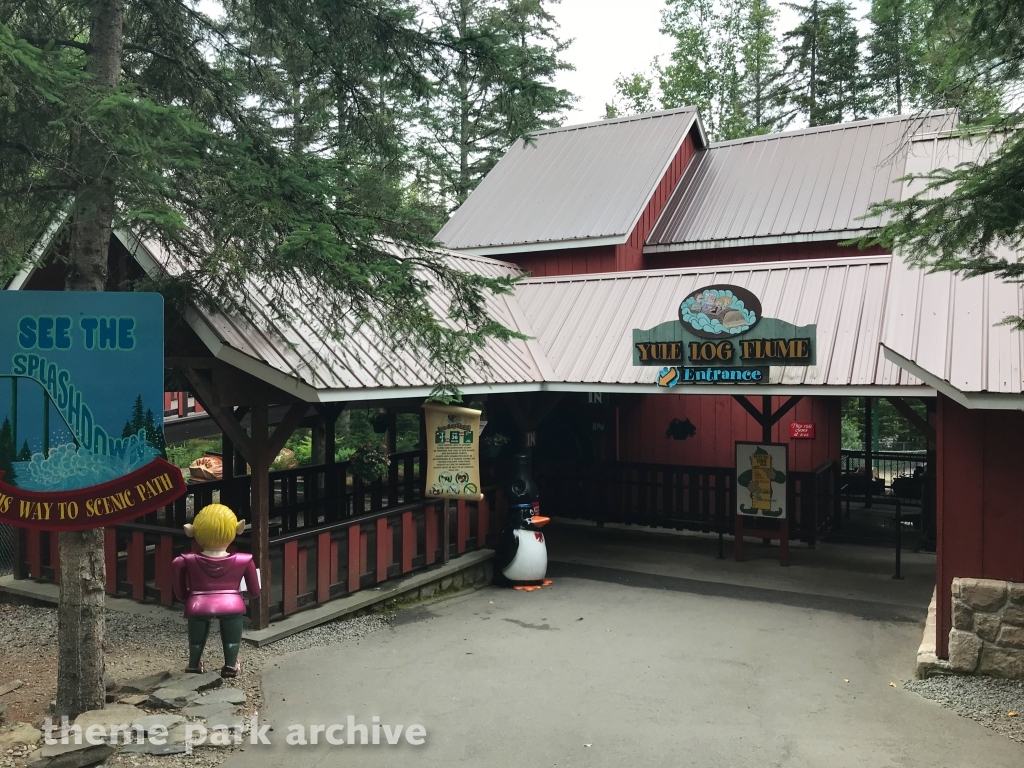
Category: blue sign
[81,387]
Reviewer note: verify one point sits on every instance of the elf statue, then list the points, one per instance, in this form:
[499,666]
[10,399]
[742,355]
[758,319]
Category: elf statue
[211,584]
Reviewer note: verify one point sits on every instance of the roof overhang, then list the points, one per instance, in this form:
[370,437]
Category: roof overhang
[552,245]
[996,401]
[808,237]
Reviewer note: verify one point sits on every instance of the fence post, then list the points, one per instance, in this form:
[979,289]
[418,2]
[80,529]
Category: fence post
[899,540]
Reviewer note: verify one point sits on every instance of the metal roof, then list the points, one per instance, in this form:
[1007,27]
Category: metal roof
[946,328]
[576,185]
[301,352]
[812,184]
[584,323]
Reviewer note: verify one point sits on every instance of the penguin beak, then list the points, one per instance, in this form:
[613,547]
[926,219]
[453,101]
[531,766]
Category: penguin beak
[539,521]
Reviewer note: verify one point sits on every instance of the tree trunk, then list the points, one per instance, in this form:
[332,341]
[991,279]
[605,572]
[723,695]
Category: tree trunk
[80,628]
[80,612]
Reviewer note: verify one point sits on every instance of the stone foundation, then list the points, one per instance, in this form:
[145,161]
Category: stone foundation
[987,637]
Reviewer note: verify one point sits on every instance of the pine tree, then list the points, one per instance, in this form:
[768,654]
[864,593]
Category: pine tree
[898,48]
[763,90]
[960,215]
[725,62]
[135,421]
[492,86]
[155,117]
[825,74]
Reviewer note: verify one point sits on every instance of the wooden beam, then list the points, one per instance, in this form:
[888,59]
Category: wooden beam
[285,429]
[225,417]
[917,421]
[785,408]
[749,408]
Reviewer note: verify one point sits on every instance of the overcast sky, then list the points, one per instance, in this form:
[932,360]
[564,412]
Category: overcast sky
[613,37]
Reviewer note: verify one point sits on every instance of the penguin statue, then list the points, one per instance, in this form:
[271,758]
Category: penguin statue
[521,556]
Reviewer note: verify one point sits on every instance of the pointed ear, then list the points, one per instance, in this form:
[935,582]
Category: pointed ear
[240,528]
[189,530]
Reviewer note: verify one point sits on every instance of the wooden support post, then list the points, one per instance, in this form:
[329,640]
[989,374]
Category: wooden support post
[137,564]
[430,534]
[259,483]
[766,422]
[290,577]
[324,554]
[869,475]
[164,581]
[354,552]
[227,457]
[382,549]
[408,541]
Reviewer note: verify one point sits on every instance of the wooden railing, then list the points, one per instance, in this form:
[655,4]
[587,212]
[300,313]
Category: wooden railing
[323,544]
[312,565]
[679,497]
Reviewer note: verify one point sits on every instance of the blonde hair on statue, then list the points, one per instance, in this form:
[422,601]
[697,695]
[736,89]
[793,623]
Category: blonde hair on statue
[215,526]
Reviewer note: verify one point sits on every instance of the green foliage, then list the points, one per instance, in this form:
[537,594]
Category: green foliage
[724,62]
[897,53]
[184,453]
[823,61]
[144,421]
[370,461]
[969,219]
[491,85]
[271,142]
[634,96]
[891,431]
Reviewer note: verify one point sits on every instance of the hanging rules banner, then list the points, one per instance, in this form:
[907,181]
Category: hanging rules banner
[453,456]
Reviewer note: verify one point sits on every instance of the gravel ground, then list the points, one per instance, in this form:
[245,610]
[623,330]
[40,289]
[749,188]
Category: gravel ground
[984,699]
[138,645]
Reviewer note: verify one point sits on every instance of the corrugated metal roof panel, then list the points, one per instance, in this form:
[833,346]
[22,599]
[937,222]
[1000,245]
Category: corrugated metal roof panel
[574,183]
[584,323]
[948,325]
[795,183]
[284,327]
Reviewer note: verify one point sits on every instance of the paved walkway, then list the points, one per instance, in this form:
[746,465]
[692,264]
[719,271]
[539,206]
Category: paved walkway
[614,666]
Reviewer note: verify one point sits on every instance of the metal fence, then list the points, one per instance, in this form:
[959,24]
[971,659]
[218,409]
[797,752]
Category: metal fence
[894,474]
[7,534]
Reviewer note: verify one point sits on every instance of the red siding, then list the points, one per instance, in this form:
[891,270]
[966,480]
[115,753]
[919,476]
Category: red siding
[630,255]
[611,258]
[749,254]
[566,261]
[980,512]
[720,422]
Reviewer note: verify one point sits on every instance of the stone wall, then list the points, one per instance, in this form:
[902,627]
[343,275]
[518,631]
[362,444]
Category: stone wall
[987,637]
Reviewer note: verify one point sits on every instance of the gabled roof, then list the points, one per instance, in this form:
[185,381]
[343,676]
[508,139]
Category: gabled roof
[584,323]
[812,184]
[944,328]
[573,186]
[284,336]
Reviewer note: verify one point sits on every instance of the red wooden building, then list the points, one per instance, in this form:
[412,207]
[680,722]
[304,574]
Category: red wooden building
[610,225]
[769,213]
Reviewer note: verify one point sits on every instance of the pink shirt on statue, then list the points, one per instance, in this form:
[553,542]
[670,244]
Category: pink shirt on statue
[209,586]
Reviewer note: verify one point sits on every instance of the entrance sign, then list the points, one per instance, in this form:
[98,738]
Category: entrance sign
[761,479]
[81,396]
[453,458]
[721,336]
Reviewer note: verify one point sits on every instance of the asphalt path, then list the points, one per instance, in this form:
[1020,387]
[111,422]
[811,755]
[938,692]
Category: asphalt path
[612,668]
